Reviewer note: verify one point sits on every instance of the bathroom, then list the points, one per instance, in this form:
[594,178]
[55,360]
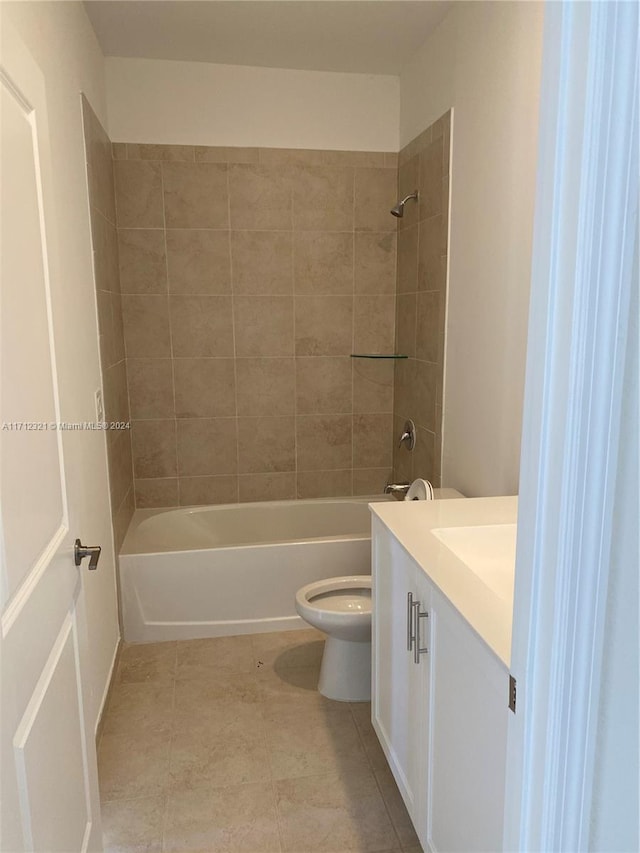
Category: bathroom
[221,251]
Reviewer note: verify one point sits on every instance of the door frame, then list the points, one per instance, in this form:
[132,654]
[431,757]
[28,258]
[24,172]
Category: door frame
[585,240]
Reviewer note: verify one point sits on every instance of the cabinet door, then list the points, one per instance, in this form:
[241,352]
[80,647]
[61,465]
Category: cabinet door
[468,737]
[421,696]
[399,704]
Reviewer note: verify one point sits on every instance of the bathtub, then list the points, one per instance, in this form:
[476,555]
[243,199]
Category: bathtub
[234,569]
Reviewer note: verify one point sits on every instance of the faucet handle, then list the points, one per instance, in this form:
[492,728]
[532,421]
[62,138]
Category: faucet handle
[408,436]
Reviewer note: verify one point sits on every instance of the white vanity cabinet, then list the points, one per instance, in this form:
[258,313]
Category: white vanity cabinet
[440,714]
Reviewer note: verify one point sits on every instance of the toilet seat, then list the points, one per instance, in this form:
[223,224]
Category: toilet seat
[320,593]
[344,601]
[337,603]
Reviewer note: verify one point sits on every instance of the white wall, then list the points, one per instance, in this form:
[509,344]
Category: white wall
[484,60]
[198,103]
[62,42]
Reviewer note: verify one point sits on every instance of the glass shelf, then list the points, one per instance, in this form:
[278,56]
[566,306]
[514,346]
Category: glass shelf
[377,355]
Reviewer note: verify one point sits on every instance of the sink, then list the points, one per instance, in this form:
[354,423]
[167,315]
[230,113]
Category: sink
[488,550]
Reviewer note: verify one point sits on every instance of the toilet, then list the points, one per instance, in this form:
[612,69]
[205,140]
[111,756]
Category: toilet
[341,608]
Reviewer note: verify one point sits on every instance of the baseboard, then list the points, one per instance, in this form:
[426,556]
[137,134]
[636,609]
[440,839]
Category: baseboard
[107,693]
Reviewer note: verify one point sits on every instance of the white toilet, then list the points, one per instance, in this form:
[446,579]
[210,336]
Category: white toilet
[341,607]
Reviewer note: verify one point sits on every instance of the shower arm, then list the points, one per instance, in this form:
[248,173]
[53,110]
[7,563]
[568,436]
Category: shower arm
[414,194]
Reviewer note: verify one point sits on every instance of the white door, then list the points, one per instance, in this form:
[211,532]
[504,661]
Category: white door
[49,776]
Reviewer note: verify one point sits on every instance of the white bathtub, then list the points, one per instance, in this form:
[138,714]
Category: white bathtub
[235,569]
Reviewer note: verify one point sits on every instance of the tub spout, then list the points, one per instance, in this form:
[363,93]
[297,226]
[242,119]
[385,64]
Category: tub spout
[398,490]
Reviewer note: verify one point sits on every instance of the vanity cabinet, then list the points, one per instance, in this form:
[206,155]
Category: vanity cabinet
[440,707]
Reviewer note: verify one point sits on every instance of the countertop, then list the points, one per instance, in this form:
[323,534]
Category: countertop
[484,597]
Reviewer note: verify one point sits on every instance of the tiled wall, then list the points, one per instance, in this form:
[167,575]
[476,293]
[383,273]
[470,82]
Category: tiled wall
[421,300]
[112,351]
[248,278]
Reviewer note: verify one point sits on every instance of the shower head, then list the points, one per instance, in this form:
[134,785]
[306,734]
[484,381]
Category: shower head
[398,210]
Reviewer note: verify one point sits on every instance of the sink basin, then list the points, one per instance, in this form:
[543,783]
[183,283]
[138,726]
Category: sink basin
[488,550]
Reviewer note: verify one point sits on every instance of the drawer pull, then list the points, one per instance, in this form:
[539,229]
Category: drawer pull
[418,615]
[411,635]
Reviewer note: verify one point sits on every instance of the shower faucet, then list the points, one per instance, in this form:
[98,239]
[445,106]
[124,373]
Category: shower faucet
[408,437]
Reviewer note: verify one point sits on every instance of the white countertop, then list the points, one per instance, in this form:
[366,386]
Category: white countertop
[473,568]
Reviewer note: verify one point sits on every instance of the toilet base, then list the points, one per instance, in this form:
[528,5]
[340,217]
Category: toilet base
[345,674]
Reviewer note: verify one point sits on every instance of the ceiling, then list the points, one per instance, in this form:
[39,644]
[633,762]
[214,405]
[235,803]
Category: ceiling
[366,36]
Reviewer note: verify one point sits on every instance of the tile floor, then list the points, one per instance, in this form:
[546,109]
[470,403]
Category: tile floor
[225,745]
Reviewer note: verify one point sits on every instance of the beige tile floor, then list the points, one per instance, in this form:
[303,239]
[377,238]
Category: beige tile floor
[225,745]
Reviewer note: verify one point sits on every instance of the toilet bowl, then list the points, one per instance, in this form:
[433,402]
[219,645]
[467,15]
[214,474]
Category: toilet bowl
[341,607]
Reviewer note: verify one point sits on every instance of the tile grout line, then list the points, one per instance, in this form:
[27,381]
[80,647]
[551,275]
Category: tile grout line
[260,473]
[353,317]
[130,799]
[167,781]
[375,778]
[395,338]
[173,372]
[294,297]
[266,746]
[248,230]
[414,359]
[272,781]
[124,340]
[233,334]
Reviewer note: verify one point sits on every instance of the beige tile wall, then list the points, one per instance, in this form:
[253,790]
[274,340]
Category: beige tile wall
[248,277]
[421,300]
[110,327]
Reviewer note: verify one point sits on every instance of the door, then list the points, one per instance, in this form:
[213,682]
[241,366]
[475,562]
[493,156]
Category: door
[49,775]
[577,556]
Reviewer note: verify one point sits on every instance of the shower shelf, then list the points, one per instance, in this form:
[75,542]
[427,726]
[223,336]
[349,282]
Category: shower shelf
[377,355]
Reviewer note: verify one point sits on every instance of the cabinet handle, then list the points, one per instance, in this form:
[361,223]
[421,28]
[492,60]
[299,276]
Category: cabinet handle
[411,637]
[418,615]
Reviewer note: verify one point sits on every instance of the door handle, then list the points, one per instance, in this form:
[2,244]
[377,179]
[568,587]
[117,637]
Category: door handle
[418,615]
[81,551]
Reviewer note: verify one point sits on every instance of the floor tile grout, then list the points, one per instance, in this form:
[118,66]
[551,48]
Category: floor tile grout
[165,810]
[375,778]
[254,654]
